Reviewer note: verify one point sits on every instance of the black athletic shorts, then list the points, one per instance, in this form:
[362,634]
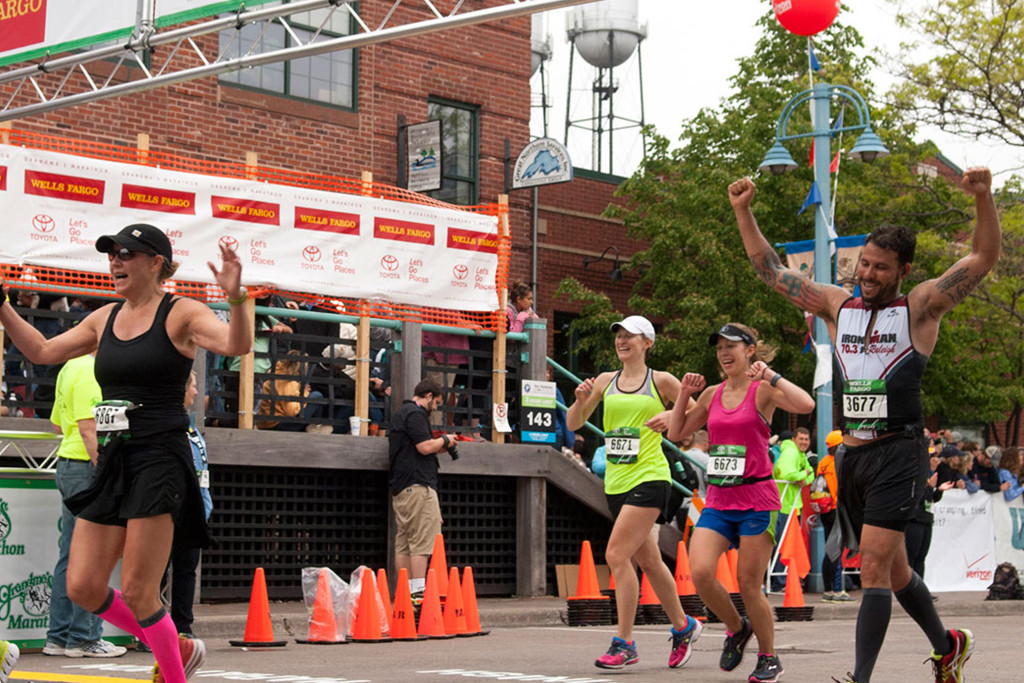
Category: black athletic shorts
[649,494]
[882,483]
[142,479]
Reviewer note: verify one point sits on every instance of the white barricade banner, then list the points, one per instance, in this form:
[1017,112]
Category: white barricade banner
[55,206]
[30,509]
[962,556]
[1009,520]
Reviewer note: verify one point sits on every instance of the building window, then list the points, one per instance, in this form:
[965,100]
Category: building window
[327,78]
[460,135]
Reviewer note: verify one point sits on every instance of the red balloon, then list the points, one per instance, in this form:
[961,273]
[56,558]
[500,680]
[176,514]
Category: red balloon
[806,17]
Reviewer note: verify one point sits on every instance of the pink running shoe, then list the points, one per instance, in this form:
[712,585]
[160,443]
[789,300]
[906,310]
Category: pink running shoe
[682,643]
[619,655]
[193,654]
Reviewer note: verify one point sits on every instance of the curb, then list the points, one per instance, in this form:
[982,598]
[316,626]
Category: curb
[289,618]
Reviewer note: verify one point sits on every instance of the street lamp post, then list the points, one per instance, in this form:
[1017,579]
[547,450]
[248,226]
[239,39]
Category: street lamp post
[778,160]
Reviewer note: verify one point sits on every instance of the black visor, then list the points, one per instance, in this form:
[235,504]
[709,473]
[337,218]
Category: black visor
[732,333]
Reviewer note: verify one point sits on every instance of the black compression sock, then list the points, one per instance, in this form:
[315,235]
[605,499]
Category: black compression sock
[872,623]
[916,599]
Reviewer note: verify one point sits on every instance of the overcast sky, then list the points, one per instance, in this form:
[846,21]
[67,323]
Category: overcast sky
[689,54]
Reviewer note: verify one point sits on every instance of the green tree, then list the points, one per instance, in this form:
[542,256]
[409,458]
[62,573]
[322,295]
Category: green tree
[976,373]
[696,274]
[965,73]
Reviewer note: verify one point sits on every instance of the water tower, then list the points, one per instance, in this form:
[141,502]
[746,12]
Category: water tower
[540,52]
[606,34]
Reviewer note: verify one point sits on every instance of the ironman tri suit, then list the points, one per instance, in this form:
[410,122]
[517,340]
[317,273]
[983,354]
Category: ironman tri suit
[634,451]
[879,390]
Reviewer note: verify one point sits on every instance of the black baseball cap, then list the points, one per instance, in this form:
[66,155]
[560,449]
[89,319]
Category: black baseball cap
[950,451]
[138,237]
[732,333]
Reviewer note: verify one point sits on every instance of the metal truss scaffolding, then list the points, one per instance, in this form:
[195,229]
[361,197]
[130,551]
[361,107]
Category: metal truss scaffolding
[99,73]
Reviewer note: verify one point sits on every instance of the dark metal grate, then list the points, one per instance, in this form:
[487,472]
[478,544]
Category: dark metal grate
[570,522]
[480,529]
[284,520]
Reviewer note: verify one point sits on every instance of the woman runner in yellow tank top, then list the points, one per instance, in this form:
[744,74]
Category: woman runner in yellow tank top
[637,485]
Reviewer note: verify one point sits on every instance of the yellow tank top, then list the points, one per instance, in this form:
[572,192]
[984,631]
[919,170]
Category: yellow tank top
[632,450]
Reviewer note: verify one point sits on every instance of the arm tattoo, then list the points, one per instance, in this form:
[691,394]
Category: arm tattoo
[958,284]
[767,266]
[801,291]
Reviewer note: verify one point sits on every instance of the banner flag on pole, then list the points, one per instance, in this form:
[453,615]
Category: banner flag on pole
[815,65]
[834,166]
[813,197]
[839,122]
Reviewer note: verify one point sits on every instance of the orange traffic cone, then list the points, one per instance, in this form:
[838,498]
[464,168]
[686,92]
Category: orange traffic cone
[431,621]
[794,594]
[586,583]
[684,580]
[439,563]
[403,623]
[323,628]
[258,630]
[385,594]
[366,628]
[454,614]
[647,594]
[724,574]
[611,582]
[469,604]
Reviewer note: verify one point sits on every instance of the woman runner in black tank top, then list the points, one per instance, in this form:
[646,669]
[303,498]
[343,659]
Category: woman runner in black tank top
[145,484]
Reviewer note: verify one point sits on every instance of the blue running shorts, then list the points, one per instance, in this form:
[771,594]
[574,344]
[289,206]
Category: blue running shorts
[735,523]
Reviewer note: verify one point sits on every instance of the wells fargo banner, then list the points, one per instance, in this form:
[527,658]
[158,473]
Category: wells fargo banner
[963,556]
[33,28]
[55,206]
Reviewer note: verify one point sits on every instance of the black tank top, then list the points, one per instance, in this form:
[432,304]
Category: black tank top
[147,370]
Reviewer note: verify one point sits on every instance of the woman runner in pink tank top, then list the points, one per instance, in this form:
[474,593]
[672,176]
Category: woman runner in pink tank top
[743,501]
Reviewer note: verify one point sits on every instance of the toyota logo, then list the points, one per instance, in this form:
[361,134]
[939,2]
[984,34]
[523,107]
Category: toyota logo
[43,223]
[228,242]
[311,254]
[389,262]
[460,271]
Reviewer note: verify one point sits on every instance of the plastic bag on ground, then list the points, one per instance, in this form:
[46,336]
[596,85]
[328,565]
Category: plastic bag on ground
[339,599]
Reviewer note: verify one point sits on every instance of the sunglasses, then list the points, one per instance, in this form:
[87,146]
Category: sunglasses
[125,254]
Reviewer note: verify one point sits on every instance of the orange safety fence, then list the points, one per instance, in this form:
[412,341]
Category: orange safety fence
[61,281]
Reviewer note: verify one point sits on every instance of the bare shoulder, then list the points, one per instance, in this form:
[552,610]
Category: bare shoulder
[665,379]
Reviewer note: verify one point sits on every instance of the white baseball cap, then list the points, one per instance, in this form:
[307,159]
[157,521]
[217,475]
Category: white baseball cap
[636,324]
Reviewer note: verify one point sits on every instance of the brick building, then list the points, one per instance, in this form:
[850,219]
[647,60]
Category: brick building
[340,114]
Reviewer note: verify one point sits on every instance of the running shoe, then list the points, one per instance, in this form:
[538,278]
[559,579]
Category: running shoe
[52,649]
[682,643]
[96,648]
[848,679]
[768,669]
[842,596]
[732,651]
[619,655]
[193,654]
[826,596]
[8,658]
[949,668]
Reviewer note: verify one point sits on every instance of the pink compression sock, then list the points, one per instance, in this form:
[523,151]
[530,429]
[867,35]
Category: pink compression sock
[162,638]
[116,612]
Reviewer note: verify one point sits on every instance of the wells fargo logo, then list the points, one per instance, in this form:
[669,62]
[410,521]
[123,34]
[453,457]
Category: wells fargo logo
[33,594]
[22,23]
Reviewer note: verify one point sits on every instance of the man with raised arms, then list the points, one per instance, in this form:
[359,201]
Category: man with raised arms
[882,341]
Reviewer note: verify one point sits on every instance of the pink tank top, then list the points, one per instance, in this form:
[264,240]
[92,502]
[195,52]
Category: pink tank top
[743,426]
